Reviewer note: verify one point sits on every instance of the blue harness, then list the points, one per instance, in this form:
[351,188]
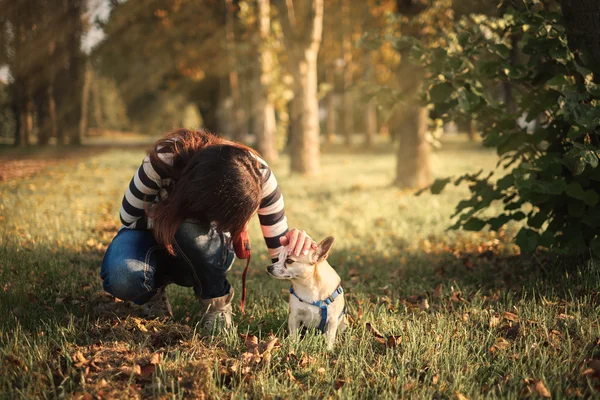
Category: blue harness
[323,304]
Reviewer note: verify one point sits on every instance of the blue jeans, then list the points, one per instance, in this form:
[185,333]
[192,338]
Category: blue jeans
[135,266]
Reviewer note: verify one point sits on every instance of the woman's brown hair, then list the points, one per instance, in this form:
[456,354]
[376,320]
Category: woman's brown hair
[215,180]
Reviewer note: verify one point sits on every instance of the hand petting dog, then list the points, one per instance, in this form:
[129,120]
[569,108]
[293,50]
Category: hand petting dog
[316,295]
[297,242]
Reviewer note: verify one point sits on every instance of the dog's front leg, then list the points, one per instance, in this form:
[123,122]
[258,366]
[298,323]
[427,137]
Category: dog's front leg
[330,332]
[294,325]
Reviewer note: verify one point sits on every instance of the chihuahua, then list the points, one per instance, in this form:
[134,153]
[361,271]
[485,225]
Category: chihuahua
[316,295]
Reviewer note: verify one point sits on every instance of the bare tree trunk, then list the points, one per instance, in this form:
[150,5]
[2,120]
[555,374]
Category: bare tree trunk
[413,169]
[98,117]
[303,49]
[264,117]
[305,141]
[237,111]
[371,108]
[330,74]
[471,130]
[25,116]
[412,160]
[348,112]
[85,97]
[371,123]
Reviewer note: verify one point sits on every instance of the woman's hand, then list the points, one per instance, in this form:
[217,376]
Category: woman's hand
[297,241]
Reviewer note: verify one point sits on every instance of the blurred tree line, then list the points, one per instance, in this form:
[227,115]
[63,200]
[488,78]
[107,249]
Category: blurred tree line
[282,71]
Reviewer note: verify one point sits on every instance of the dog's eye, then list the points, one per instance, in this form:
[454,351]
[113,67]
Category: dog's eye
[289,261]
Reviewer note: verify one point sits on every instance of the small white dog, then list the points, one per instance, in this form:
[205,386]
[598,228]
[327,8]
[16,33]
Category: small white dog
[316,295]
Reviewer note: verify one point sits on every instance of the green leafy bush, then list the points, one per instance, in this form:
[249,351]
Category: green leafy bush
[552,180]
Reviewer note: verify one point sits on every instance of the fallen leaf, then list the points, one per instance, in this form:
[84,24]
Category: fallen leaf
[494,321]
[305,360]
[321,371]
[251,342]
[393,341]
[541,389]
[501,344]
[378,336]
[293,379]
[511,316]
[340,382]
[460,396]
[156,359]
[79,359]
[129,371]
[269,345]
[147,370]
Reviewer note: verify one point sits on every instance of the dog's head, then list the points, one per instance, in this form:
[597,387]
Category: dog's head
[289,266]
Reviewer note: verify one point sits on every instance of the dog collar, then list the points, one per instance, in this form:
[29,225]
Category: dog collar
[323,304]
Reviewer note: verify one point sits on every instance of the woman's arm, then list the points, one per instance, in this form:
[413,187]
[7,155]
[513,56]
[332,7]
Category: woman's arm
[271,214]
[141,193]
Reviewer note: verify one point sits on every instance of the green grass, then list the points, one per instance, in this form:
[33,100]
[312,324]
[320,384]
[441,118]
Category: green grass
[444,294]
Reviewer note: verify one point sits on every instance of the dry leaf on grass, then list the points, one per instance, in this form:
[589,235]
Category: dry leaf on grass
[378,336]
[390,342]
[537,386]
[501,344]
[156,358]
[128,370]
[79,359]
[293,379]
[511,316]
[393,341]
[340,382]
[494,322]
[251,342]
[460,396]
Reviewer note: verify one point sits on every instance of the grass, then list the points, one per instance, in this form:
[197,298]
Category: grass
[434,314]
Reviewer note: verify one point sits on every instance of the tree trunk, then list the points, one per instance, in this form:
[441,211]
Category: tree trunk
[237,111]
[264,115]
[98,117]
[371,108]
[25,118]
[85,97]
[348,112]
[472,130]
[412,160]
[583,24]
[303,47]
[305,142]
[371,123]
[413,169]
[330,73]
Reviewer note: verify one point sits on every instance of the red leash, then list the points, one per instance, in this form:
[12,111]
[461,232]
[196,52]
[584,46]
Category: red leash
[243,302]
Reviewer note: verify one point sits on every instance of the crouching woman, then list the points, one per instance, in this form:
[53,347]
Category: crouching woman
[193,192]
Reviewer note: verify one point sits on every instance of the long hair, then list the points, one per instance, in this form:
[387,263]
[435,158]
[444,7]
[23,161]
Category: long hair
[216,180]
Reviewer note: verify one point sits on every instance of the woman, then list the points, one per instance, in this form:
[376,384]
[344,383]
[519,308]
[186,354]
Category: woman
[192,194]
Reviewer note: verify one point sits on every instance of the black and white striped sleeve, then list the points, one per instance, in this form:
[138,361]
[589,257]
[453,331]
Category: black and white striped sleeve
[271,213]
[141,193]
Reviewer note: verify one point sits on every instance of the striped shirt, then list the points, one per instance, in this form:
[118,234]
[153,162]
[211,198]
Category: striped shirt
[148,186]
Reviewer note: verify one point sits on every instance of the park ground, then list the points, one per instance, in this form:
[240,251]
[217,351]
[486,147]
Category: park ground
[433,313]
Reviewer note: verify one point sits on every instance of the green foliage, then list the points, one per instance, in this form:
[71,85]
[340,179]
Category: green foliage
[552,178]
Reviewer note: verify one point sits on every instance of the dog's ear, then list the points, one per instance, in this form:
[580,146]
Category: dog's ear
[323,249]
